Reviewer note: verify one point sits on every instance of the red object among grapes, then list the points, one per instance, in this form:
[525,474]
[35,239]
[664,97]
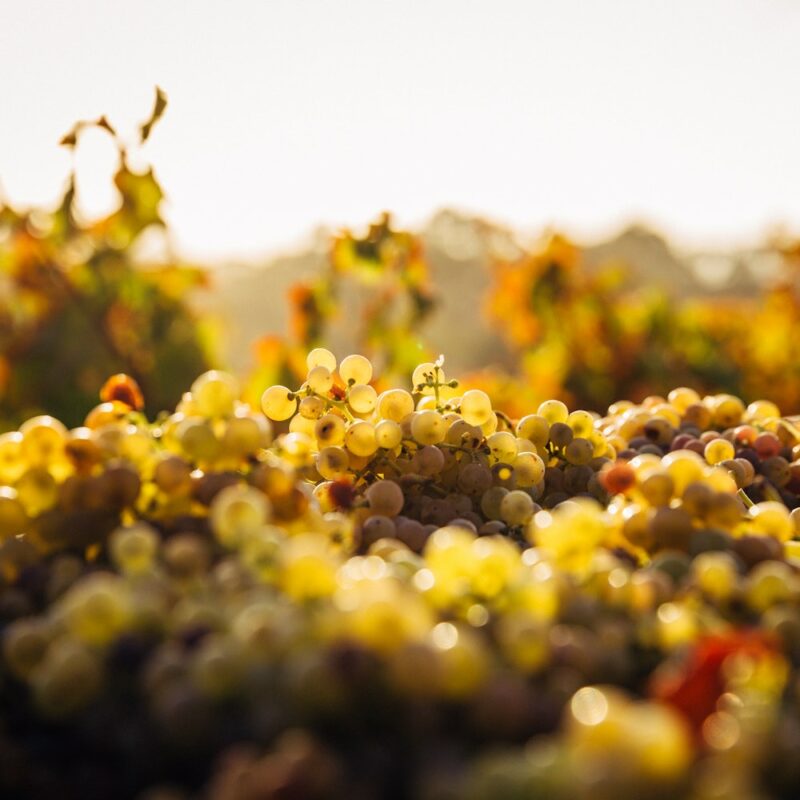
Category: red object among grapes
[619,477]
[122,388]
[695,686]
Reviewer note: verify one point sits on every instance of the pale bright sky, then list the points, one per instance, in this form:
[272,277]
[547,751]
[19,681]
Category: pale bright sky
[286,114]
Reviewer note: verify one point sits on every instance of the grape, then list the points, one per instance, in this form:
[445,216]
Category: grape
[385,498]
[320,357]
[362,398]
[429,460]
[278,403]
[423,373]
[553,411]
[319,380]
[215,393]
[718,450]
[428,427]
[579,451]
[502,447]
[43,440]
[237,512]
[332,462]
[395,405]
[355,369]
[388,434]
[330,430]
[534,428]
[13,519]
[360,439]
[133,550]
[476,407]
[516,508]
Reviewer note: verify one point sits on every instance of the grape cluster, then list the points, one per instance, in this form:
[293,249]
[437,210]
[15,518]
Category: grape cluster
[402,593]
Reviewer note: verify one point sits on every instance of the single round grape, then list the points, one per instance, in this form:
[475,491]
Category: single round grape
[658,488]
[332,462]
[134,549]
[423,373]
[385,498]
[330,430]
[278,403]
[502,447]
[215,393]
[395,405]
[529,469]
[683,397]
[320,357]
[517,508]
[462,434]
[476,407]
[377,527]
[561,435]
[245,434]
[761,410]
[362,398]
[237,512]
[429,460]
[771,518]
[579,451]
[388,434]
[474,478]
[172,475]
[24,645]
[320,380]
[37,490]
[534,428]
[716,574]
[43,440]
[491,500]
[360,439]
[13,519]
[553,411]
[581,422]
[428,427]
[198,440]
[727,410]
[718,450]
[355,369]
[12,463]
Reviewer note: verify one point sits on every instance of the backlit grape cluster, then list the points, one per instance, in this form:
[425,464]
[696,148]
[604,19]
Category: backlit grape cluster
[353,593]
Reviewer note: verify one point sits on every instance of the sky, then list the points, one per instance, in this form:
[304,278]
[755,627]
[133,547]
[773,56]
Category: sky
[289,114]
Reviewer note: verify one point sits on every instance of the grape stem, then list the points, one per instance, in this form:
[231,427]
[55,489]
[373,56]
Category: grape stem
[745,499]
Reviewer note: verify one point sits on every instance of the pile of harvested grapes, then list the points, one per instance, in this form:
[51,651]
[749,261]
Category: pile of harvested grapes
[400,595]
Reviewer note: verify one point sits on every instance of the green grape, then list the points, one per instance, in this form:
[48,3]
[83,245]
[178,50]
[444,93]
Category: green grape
[13,519]
[534,428]
[330,430]
[491,500]
[198,440]
[579,451]
[516,508]
[37,490]
[581,422]
[312,407]
[320,380]
[320,357]
[362,398]
[355,369]
[43,440]
[529,469]
[237,512]
[428,427]
[332,462]
[502,447]
[360,439]
[553,411]
[12,461]
[421,374]
[476,407]
[278,403]
[395,405]
[97,608]
[719,450]
[134,549]
[388,434]
[24,645]
[245,434]
[215,393]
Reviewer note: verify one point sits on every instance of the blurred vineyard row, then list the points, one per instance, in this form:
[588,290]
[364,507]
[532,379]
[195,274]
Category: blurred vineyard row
[78,304]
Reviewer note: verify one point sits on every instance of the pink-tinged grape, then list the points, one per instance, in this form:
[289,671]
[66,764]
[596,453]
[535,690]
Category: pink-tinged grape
[362,398]
[278,403]
[215,393]
[385,498]
[360,439]
[395,405]
[355,369]
[476,407]
[718,450]
[320,357]
[428,427]
[330,430]
[332,462]
[428,460]
[320,380]
[767,445]
[553,411]
[388,434]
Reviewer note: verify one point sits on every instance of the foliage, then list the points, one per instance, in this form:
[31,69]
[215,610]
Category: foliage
[76,305]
